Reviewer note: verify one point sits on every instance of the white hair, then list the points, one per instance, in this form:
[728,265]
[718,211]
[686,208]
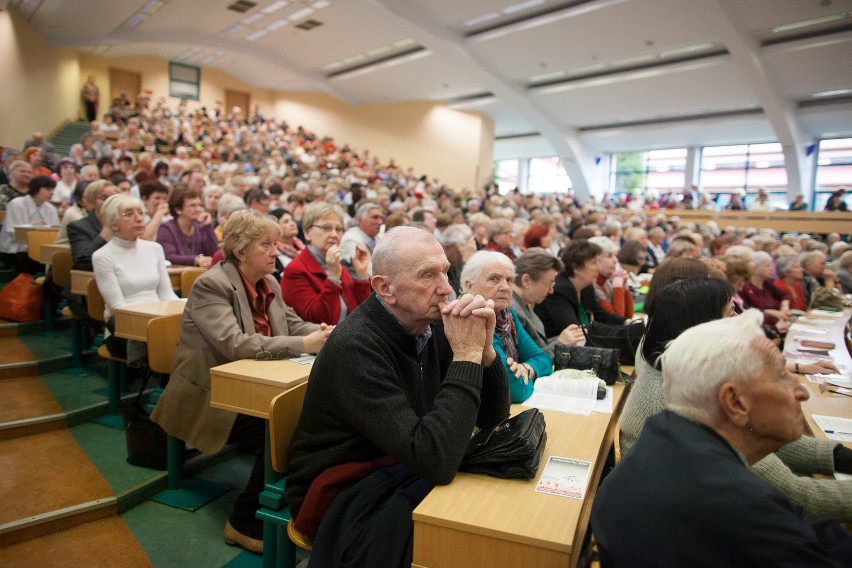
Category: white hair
[702,358]
[479,262]
[606,244]
[456,234]
[115,205]
[392,248]
[760,257]
[740,251]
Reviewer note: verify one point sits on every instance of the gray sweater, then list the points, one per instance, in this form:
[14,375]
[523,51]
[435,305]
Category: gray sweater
[822,498]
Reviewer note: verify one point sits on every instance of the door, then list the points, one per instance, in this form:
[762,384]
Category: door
[121,80]
[237,98]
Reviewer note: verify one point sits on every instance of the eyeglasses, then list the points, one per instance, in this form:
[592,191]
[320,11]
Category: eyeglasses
[265,355]
[329,229]
[128,213]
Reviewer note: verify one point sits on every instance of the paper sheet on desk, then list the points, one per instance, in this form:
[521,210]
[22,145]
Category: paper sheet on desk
[834,427]
[304,359]
[807,329]
[564,477]
[827,314]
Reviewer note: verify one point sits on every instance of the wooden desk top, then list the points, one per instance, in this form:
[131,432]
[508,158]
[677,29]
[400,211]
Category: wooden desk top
[131,322]
[22,230]
[827,404]
[248,386]
[484,521]
[80,281]
[48,249]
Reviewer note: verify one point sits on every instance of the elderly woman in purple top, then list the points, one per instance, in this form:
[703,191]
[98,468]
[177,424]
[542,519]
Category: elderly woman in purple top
[188,239]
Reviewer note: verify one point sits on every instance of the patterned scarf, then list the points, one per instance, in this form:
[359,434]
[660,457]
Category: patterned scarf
[505,330]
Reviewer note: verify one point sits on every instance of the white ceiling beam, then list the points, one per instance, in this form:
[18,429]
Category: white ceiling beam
[780,110]
[576,157]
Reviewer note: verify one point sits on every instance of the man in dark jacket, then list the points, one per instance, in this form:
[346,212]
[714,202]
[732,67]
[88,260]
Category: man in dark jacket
[684,495]
[403,379]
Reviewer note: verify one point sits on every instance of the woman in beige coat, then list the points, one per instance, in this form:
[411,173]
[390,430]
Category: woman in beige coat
[234,311]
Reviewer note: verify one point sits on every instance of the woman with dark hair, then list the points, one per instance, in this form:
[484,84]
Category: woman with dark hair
[573,299]
[535,276]
[687,303]
[188,239]
[672,270]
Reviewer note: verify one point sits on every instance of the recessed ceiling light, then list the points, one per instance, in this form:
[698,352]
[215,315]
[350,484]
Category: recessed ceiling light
[256,35]
[274,7]
[277,24]
[320,4]
[478,20]
[807,23]
[299,14]
[248,20]
[233,29]
[832,93]
[522,6]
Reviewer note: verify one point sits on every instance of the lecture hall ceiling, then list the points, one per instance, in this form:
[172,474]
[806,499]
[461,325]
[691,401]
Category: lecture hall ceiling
[619,74]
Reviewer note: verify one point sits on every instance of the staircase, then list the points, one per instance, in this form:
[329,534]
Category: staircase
[68,135]
[69,496]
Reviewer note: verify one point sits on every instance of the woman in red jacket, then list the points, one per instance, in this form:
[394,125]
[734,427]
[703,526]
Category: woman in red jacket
[315,283]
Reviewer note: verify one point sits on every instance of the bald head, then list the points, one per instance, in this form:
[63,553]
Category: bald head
[395,246]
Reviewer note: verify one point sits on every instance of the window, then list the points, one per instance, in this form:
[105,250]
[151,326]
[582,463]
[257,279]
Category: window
[663,170]
[184,81]
[546,175]
[834,170]
[748,167]
[506,175]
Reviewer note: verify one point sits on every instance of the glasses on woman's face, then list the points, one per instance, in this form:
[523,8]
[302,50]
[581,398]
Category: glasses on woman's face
[130,213]
[329,228]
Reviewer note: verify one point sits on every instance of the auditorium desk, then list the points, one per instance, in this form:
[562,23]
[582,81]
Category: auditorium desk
[827,404]
[483,521]
[80,278]
[131,322]
[248,386]
[47,250]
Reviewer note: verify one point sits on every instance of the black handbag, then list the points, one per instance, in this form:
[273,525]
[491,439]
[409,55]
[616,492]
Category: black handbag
[625,338]
[512,449]
[146,440]
[603,362]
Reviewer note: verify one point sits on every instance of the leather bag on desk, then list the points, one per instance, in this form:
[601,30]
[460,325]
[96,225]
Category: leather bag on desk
[603,362]
[512,449]
[625,338]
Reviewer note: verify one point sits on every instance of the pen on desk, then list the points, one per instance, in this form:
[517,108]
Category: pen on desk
[837,432]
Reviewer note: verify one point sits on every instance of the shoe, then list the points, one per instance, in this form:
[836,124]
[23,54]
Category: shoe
[234,537]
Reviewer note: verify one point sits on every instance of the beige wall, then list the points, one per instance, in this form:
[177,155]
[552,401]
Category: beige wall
[453,146]
[155,78]
[41,86]
[435,140]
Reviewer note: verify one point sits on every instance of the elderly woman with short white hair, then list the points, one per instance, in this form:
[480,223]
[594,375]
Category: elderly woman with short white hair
[759,293]
[128,269]
[491,275]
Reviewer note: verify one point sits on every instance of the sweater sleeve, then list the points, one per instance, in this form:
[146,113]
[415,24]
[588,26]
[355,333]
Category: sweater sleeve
[820,498]
[518,391]
[168,239]
[530,353]
[374,404]
[107,281]
[318,306]
[807,455]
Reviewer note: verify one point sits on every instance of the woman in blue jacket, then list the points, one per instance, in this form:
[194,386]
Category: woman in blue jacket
[491,275]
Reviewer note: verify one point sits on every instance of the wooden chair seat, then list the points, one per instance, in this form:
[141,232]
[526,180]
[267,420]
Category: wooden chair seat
[37,238]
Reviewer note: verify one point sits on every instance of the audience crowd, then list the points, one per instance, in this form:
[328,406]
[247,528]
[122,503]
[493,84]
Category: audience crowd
[547,265]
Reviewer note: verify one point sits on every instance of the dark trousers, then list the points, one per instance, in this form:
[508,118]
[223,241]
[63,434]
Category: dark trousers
[249,432]
[91,110]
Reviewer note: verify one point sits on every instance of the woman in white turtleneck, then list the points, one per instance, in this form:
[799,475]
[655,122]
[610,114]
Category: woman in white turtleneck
[128,270]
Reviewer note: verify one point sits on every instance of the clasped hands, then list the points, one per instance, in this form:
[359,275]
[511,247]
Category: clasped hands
[469,323]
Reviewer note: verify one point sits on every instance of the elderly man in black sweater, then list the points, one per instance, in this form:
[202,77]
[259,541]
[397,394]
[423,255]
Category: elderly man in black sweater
[403,380]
